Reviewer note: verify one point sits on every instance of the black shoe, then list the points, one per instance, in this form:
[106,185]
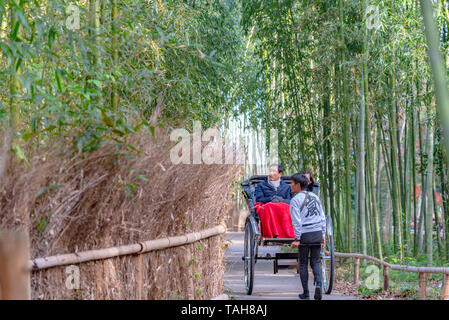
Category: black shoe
[317,295]
[304,296]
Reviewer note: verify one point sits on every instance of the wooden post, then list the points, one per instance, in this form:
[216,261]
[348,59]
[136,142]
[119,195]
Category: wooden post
[356,270]
[14,274]
[386,278]
[422,285]
[445,292]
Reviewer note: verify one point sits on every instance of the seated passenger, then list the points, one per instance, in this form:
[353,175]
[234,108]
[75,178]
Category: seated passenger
[273,189]
[273,205]
[313,186]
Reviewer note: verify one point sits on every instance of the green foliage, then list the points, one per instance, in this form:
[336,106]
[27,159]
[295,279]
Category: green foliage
[173,57]
[301,67]
[308,70]
[43,222]
[45,190]
[364,291]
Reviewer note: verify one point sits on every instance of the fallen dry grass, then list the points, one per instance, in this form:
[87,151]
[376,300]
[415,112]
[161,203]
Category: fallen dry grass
[110,198]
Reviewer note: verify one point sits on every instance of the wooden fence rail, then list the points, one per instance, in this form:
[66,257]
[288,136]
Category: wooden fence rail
[422,271]
[141,247]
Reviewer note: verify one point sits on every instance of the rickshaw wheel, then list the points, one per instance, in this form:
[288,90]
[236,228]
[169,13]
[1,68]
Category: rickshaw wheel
[249,258]
[327,259]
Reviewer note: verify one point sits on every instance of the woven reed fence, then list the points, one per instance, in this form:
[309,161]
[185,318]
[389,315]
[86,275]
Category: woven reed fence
[15,267]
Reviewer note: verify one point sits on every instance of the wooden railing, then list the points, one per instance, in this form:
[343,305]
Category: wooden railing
[422,271]
[15,267]
[137,248]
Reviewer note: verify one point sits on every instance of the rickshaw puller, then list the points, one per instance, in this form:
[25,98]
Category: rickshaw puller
[309,224]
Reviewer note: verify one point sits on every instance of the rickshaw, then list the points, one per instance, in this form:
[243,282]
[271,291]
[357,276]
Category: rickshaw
[254,239]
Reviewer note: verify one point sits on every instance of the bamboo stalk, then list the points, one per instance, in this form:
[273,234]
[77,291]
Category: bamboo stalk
[430,195]
[386,278]
[79,257]
[15,90]
[423,145]
[361,157]
[114,47]
[356,270]
[99,254]
[221,297]
[395,181]
[413,178]
[438,67]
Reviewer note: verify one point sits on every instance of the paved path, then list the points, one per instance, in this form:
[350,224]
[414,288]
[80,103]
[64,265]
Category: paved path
[285,285]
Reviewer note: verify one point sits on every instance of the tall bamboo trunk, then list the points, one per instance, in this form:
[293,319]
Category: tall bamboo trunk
[396,203]
[355,231]
[438,68]
[429,187]
[378,179]
[437,222]
[423,202]
[405,187]
[346,128]
[114,47]
[413,178]
[361,159]
[377,244]
[329,163]
[14,89]
[445,196]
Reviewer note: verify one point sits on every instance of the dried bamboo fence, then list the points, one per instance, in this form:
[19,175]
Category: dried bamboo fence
[107,253]
[422,271]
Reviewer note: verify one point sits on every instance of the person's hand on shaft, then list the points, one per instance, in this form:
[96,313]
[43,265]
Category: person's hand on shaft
[295,244]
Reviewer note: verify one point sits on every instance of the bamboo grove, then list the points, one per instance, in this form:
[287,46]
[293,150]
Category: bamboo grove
[86,72]
[349,85]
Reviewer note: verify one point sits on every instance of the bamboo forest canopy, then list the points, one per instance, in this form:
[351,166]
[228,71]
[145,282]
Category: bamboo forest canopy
[104,78]
[348,84]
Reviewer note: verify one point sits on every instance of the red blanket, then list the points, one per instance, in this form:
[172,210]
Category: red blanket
[276,220]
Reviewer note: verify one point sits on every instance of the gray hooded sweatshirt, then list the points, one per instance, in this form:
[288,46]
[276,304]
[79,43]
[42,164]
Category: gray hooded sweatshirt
[311,218]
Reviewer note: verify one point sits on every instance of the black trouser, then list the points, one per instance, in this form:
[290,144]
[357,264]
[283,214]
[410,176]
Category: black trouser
[303,251]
